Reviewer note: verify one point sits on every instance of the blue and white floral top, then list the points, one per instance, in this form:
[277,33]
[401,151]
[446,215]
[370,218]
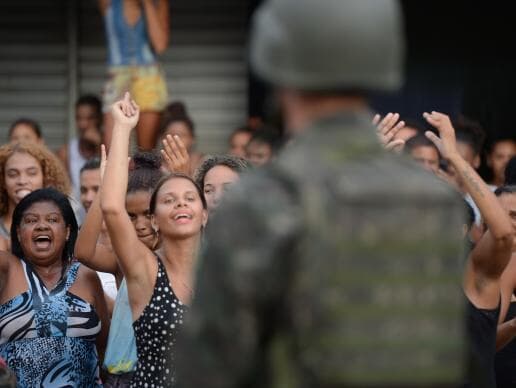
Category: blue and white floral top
[48,337]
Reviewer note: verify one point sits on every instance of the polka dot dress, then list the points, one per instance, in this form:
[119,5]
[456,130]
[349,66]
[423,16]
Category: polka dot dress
[155,332]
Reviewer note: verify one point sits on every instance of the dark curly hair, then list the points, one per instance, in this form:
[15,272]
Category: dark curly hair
[54,174]
[235,163]
[45,195]
[145,172]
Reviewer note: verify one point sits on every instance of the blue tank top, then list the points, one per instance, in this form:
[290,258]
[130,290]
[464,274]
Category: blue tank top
[127,45]
[121,349]
[48,336]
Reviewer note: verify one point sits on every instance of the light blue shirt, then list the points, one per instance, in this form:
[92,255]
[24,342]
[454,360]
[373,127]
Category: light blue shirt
[121,356]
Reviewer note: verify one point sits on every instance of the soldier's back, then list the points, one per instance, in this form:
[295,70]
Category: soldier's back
[374,294]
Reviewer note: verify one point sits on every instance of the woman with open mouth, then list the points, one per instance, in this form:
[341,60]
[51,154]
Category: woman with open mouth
[52,308]
[25,167]
[159,285]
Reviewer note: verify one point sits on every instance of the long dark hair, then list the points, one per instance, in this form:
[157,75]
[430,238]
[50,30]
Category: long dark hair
[45,195]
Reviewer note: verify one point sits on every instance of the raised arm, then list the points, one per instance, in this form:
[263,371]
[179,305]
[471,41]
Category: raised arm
[129,249]
[158,23]
[87,248]
[492,253]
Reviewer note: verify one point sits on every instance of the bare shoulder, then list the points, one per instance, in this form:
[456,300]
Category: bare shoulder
[87,285]
[88,275]
[6,259]
[509,274]
[4,245]
[6,262]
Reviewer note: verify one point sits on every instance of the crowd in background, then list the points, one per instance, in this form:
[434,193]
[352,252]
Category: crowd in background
[76,173]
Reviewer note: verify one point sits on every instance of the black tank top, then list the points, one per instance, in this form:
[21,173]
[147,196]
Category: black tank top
[505,361]
[481,342]
[155,332]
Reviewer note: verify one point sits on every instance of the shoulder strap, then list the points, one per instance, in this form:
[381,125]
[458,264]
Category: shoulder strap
[71,275]
[36,286]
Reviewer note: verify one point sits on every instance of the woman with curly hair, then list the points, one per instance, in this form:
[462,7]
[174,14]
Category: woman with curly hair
[25,167]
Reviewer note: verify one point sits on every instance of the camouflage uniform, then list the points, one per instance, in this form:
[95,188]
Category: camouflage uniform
[337,266]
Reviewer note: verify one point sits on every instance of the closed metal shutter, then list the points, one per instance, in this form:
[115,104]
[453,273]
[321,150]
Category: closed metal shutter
[51,51]
[34,66]
[204,64]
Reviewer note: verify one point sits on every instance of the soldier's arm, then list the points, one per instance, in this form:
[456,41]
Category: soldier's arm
[240,284]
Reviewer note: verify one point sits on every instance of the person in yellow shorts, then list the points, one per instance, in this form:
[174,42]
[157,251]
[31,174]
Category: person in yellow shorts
[137,31]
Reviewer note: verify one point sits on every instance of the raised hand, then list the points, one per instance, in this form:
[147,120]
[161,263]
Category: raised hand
[387,128]
[445,142]
[175,154]
[125,113]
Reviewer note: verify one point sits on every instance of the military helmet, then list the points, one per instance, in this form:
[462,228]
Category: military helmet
[324,45]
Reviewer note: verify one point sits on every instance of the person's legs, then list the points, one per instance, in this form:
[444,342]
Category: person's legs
[119,81]
[147,130]
[149,90]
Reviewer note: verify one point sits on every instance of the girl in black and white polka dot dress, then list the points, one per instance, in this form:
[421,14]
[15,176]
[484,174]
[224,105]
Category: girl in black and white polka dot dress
[155,331]
[179,213]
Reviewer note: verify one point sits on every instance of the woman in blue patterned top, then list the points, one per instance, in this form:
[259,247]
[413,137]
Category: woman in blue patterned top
[52,309]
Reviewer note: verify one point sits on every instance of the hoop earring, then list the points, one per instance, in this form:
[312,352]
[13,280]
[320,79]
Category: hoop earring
[156,240]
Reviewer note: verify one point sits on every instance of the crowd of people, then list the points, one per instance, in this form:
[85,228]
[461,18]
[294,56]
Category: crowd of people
[337,257]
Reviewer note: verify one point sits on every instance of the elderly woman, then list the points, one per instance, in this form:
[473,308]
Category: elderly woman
[52,308]
[25,167]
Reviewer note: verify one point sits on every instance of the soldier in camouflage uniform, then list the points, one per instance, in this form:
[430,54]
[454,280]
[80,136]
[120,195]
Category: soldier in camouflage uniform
[339,265]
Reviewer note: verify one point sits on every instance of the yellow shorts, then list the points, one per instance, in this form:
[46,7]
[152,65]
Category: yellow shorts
[146,84]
